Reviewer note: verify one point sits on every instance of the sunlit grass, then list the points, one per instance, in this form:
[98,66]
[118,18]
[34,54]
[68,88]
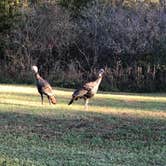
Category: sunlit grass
[116,103]
[117,129]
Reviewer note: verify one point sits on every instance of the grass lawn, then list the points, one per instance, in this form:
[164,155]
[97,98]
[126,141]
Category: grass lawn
[118,129]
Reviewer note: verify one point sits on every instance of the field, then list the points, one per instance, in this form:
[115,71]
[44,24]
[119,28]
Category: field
[118,129]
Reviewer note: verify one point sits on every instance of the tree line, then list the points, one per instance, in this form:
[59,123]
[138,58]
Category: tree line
[69,40]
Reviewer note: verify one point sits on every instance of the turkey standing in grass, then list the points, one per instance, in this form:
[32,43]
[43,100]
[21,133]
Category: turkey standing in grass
[88,90]
[43,87]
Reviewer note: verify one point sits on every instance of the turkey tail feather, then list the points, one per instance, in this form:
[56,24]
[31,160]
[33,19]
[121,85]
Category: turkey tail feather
[53,99]
[71,101]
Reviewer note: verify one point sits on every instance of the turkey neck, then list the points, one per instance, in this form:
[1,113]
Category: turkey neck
[98,81]
[37,76]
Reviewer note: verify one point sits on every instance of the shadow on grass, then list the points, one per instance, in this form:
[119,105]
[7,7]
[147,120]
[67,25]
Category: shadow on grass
[91,125]
[35,137]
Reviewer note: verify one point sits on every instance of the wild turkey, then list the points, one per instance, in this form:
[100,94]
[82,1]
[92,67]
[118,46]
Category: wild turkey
[88,90]
[43,87]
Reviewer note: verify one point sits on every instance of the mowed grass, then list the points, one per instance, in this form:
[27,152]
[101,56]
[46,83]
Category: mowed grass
[118,129]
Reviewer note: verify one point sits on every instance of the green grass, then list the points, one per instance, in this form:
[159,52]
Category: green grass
[118,129]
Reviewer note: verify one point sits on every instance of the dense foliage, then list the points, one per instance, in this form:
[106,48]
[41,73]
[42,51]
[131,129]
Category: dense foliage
[70,40]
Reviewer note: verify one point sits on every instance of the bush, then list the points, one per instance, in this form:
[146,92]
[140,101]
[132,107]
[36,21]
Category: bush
[128,41]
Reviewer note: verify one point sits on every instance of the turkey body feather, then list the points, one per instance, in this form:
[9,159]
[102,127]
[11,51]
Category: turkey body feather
[44,88]
[88,90]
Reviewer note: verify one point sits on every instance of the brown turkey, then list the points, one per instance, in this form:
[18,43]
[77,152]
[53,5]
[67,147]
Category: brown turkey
[44,88]
[88,90]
